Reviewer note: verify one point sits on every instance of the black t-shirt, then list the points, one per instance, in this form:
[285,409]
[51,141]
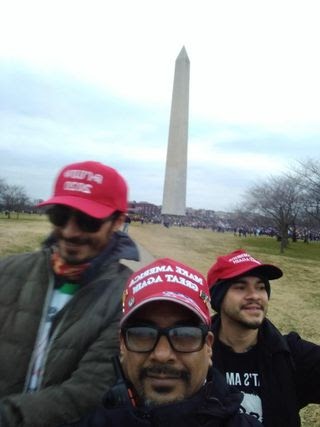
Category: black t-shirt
[241,370]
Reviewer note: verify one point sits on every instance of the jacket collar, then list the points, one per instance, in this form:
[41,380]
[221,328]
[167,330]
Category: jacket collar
[214,399]
[270,339]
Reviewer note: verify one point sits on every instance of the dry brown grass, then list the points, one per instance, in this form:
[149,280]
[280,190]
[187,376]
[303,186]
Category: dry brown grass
[295,297]
[22,235]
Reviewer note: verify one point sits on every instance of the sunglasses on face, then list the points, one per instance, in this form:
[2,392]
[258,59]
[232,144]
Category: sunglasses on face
[183,339]
[59,216]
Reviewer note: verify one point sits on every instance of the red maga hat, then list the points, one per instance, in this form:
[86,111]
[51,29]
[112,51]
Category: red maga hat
[167,280]
[90,187]
[238,263]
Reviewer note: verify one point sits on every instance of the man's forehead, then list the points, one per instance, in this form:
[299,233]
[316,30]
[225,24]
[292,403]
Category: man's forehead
[163,311]
[248,278]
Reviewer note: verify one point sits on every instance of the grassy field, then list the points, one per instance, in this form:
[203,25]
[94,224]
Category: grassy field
[295,298]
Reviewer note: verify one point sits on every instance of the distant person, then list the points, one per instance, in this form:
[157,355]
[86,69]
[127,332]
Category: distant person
[60,306]
[127,222]
[166,347]
[166,222]
[278,374]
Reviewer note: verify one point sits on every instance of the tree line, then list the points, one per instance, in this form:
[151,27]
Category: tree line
[288,202]
[13,198]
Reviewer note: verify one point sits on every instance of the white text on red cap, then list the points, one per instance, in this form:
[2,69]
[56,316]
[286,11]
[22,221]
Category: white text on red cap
[169,278]
[165,269]
[180,276]
[243,258]
[83,175]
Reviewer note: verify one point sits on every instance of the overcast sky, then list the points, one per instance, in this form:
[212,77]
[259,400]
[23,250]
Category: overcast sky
[92,80]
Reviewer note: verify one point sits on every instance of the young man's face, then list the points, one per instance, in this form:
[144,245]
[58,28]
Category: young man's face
[246,302]
[165,375]
[76,244]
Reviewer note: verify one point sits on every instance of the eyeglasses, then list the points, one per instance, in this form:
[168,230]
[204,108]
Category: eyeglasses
[183,339]
[59,215]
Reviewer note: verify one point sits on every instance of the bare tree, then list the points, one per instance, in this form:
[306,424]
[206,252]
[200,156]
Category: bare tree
[3,185]
[308,173]
[13,197]
[278,199]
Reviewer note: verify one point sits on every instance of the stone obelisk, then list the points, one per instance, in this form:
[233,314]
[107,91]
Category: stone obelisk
[175,183]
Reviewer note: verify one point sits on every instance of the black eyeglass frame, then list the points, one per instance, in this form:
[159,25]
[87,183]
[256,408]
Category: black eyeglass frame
[59,215]
[165,332]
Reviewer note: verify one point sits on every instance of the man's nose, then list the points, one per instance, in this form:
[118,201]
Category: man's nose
[253,293]
[71,228]
[163,351]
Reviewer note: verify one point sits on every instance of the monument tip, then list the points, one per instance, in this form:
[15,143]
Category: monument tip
[183,52]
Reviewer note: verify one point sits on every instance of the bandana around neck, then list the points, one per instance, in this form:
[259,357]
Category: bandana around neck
[69,271]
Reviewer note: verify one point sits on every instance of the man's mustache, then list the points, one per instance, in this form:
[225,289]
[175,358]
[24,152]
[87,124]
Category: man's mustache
[164,370]
[259,306]
[73,240]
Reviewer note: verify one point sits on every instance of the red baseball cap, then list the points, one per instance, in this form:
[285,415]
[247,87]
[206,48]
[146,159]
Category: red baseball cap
[90,187]
[167,280]
[238,263]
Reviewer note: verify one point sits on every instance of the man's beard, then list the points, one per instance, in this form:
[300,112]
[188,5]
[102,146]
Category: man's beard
[158,370]
[250,325]
[68,257]
[237,318]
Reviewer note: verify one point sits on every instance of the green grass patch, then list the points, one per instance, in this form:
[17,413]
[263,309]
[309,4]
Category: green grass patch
[269,245]
[22,217]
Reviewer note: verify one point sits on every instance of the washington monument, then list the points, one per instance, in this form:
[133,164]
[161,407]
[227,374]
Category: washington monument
[175,183]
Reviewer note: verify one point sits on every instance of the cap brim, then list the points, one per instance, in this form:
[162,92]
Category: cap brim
[89,207]
[269,271]
[160,297]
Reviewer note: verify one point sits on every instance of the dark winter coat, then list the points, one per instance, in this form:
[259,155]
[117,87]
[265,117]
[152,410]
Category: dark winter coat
[215,405]
[289,374]
[83,337]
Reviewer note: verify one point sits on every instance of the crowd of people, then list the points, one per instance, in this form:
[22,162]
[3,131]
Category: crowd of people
[222,225]
[87,341]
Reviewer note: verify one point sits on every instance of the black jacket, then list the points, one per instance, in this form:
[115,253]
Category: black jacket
[289,372]
[215,405]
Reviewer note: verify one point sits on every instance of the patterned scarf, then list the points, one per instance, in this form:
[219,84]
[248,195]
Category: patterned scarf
[69,271]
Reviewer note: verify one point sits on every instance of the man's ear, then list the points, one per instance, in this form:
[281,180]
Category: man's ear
[122,345]
[118,222]
[209,342]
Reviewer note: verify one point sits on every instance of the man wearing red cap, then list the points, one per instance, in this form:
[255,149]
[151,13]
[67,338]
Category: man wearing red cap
[166,347]
[61,306]
[277,374]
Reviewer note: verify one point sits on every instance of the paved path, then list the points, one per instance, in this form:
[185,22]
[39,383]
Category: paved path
[145,258]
